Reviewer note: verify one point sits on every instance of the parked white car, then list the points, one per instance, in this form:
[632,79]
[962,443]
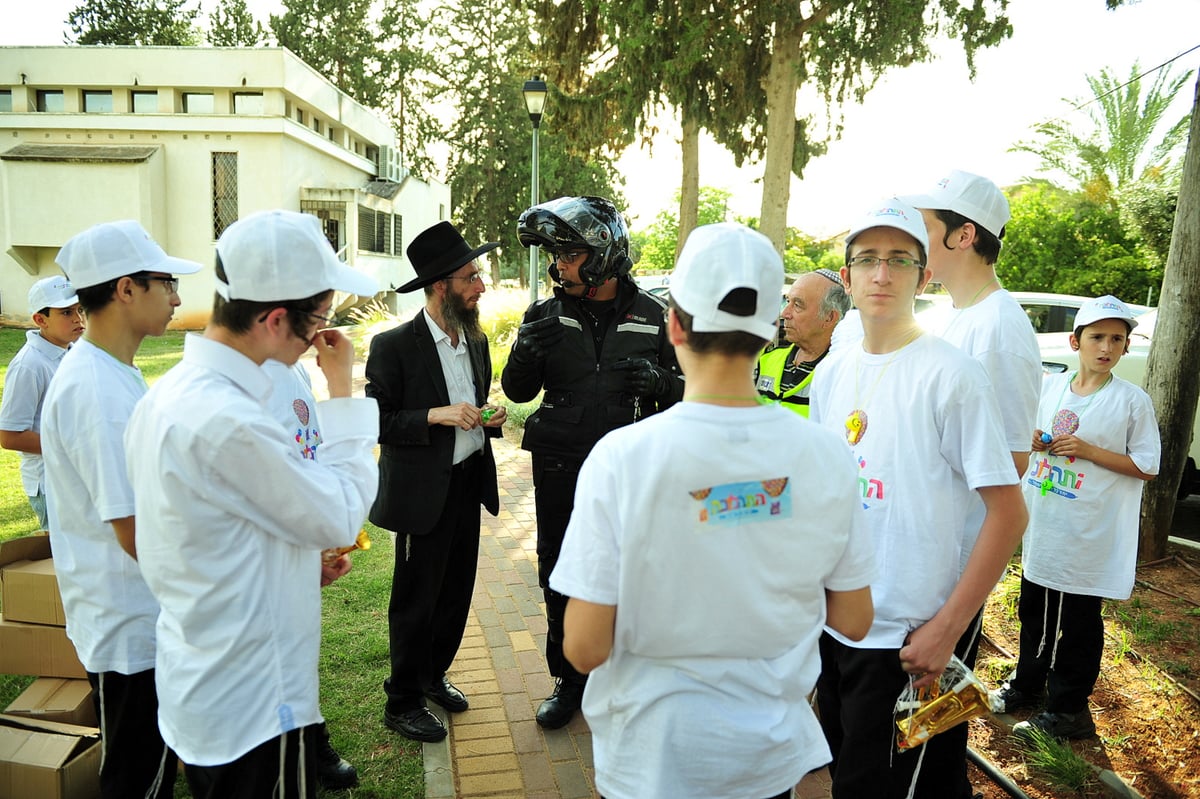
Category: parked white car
[1057,356]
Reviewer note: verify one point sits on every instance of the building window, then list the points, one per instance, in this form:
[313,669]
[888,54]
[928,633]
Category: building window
[97,102]
[50,100]
[144,102]
[249,103]
[317,125]
[333,133]
[300,115]
[6,102]
[224,191]
[198,103]
[398,234]
[374,230]
[441,212]
[333,218]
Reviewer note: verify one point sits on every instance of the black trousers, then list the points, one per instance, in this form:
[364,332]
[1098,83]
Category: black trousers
[135,761]
[432,584]
[265,772]
[856,696]
[554,480]
[1071,680]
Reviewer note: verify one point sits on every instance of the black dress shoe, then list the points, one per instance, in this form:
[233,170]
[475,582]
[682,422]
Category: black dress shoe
[333,772]
[445,694]
[559,708]
[419,724]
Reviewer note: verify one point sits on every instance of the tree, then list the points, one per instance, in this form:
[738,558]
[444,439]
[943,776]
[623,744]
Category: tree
[232,25]
[1171,376]
[1064,242]
[656,246]
[136,22]
[735,68]
[1121,142]
[483,49]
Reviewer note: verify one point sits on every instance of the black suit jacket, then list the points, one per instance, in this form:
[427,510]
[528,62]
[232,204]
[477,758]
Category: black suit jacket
[404,375]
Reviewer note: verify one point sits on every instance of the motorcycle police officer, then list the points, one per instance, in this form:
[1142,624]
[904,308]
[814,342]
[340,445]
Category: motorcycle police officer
[598,348]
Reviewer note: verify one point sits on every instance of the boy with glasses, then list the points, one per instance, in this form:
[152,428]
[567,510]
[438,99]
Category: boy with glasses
[232,518]
[55,310]
[923,425]
[121,279]
[598,350]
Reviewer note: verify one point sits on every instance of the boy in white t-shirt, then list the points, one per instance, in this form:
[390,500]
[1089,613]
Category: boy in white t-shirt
[924,427]
[708,545]
[127,286]
[1095,446]
[55,310]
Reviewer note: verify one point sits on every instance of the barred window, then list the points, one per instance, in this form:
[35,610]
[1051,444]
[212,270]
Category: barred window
[333,218]
[224,191]
[398,234]
[373,230]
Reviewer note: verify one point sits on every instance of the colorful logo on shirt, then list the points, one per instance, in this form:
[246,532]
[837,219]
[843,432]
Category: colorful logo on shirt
[1055,479]
[733,503]
[871,488]
[309,438]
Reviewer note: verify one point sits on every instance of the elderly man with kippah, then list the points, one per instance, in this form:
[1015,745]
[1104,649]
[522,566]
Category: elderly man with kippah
[813,306]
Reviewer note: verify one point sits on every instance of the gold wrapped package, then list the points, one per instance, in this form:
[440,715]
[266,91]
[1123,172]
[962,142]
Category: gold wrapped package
[363,541]
[957,696]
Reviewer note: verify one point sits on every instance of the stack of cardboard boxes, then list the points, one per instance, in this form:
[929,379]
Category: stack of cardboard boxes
[49,744]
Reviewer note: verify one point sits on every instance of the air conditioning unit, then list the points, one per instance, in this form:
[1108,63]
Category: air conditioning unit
[389,165]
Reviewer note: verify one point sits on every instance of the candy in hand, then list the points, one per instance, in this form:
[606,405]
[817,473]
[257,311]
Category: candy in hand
[363,541]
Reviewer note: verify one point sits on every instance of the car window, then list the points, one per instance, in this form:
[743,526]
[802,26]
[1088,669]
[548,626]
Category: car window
[1039,317]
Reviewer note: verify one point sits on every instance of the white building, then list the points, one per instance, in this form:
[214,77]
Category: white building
[187,140]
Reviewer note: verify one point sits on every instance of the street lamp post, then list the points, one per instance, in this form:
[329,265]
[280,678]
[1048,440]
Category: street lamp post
[535,103]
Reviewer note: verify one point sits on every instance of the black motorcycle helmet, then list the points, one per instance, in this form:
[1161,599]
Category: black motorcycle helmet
[591,224]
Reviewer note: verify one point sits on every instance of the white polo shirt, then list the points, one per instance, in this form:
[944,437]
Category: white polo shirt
[231,522]
[110,612]
[25,384]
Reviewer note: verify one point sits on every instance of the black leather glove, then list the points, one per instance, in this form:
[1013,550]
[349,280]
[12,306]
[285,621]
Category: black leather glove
[534,339]
[644,378]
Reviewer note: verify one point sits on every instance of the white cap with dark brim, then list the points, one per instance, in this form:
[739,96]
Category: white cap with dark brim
[275,256]
[718,260]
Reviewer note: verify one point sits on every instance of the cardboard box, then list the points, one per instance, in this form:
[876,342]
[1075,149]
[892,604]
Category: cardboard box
[55,699]
[37,649]
[28,585]
[48,760]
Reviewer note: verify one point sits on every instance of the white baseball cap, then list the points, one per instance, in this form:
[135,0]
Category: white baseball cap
[111,250]
[972,196]
[896,214]
[51,292]
[717,260]
[273,256]
[1106,307]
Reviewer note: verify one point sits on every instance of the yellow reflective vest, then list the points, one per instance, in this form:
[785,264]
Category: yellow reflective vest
[771,366]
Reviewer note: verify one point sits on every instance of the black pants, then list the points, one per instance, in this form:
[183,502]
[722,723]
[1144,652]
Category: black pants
[432,586]
[1080,646]
[554,482]
[263,772]
[135,761]
[856,696]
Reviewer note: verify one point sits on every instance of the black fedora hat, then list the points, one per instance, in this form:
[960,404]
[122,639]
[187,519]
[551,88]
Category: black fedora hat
[438,251]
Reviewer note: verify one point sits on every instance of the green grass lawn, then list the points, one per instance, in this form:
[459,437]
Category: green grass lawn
[354,651]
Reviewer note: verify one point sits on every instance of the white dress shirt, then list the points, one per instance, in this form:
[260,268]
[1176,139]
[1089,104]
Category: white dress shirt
[231,521]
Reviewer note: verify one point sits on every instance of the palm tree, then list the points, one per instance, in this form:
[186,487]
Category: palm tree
[1121,146]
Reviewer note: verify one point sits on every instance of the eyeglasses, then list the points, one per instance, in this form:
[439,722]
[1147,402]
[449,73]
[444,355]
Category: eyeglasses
[895,264]
[172,283]
[473,278]
[567,256]
[325,321]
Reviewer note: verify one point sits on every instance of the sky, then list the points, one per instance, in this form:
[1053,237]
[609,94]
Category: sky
[914,127]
